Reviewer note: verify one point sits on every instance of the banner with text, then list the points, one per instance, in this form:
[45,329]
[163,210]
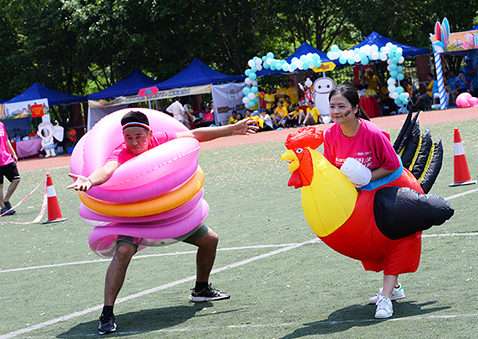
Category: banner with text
[227,98]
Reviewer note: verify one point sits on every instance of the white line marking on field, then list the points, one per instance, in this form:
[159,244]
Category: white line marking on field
[152,290]
[141,257]
[437,235]
[461,194]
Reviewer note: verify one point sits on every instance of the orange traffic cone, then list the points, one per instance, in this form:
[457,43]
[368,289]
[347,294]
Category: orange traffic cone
[54,213]
[462,173]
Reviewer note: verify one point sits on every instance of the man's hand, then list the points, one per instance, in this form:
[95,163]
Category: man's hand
[81,183]
[245,126]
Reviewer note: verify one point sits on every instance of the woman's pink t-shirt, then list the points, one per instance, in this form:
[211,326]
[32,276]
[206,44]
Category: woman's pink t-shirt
[121,153]
[370,146]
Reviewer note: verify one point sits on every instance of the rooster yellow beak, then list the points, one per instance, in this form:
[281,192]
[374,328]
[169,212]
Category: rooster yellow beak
[290,156]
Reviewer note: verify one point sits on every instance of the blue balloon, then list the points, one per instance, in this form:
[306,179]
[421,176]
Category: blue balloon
[251,104]
[247,72]
[393,67]
[264,58]
[305,66]
[364,61]
[395,60]
[270,55]
[351,61]
[246,91]
[399,90]
[393,74]
[342,61]
[293,67]
[402,96]
[273,67]
[273,63]
[253,76]
[279,67]
[399,69]
[285,67]
[253,69]
[315,57]
[266,65]
[317,63]
[401,77]
[254,89]
[396,101]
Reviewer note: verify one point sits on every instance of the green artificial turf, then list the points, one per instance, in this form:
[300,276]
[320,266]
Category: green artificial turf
[303,291]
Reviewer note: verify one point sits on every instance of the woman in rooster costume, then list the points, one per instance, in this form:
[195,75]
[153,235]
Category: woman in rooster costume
[379,207]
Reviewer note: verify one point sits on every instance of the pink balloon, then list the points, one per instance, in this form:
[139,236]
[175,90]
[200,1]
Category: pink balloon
[473,101]
[462,100]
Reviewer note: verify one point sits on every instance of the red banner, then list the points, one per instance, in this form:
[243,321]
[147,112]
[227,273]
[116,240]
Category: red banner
[37,111]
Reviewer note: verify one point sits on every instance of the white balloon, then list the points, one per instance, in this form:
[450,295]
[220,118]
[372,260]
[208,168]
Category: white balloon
[251,63]
[258,61]
[254,83]
[391,81]
[308,82]
[386,49]
[407,95]
[259,67]
[401,60]
[392,88]
[374,48]
[251,96]
[375,55]
[393,95]
[366,49]
[248,81]
[357,58]
[245,100]
[388,68]
[299,64]
[269,60]
[389,61]
[400,50]
[383,56]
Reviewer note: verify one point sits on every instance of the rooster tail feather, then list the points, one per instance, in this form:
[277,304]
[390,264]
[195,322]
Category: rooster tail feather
[405,131]
[419,154]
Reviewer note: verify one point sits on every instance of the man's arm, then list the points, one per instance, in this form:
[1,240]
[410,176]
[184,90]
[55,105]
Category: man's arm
[209,133]
[96,178]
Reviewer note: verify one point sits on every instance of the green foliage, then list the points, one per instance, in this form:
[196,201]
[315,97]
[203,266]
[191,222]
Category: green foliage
[82,46]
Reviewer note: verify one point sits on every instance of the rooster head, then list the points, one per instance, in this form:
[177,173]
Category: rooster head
[299,157]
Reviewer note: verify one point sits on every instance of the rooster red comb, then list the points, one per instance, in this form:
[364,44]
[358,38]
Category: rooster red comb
[305,137]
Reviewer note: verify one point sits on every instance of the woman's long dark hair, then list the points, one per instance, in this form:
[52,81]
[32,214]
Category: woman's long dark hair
[352,97]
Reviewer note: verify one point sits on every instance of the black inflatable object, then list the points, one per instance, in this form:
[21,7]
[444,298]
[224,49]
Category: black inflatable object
[432,168]
[400,212]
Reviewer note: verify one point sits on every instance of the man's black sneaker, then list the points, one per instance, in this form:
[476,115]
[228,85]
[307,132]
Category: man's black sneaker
[107,324]
[207,294]
[4,209]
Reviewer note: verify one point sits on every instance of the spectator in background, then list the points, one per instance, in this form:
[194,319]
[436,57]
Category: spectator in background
[288,103]
[233,118]
[207,118]
[267,125]
[71,134]
[293,92]
[372,81]
[280,113]
[452,87]
[177,110]
[8,168]
[269,99]
[469,73]
[33,134]
[312,117]
[293,115]
[428,95]
[281,92]
[463,84]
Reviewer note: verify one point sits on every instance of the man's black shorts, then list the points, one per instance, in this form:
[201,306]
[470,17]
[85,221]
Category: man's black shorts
[10,172]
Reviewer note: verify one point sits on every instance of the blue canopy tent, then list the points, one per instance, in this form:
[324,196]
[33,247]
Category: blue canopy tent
[376,39]
[130,85]
[38,91]
[2,101]
[303,49]
[196,74]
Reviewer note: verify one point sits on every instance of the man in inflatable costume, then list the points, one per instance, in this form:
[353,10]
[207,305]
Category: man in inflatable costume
[138,139]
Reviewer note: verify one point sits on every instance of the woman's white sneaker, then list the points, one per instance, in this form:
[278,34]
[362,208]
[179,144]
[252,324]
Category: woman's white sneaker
[384,308]
[397,293]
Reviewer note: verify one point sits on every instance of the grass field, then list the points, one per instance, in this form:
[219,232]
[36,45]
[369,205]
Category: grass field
[283,282]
